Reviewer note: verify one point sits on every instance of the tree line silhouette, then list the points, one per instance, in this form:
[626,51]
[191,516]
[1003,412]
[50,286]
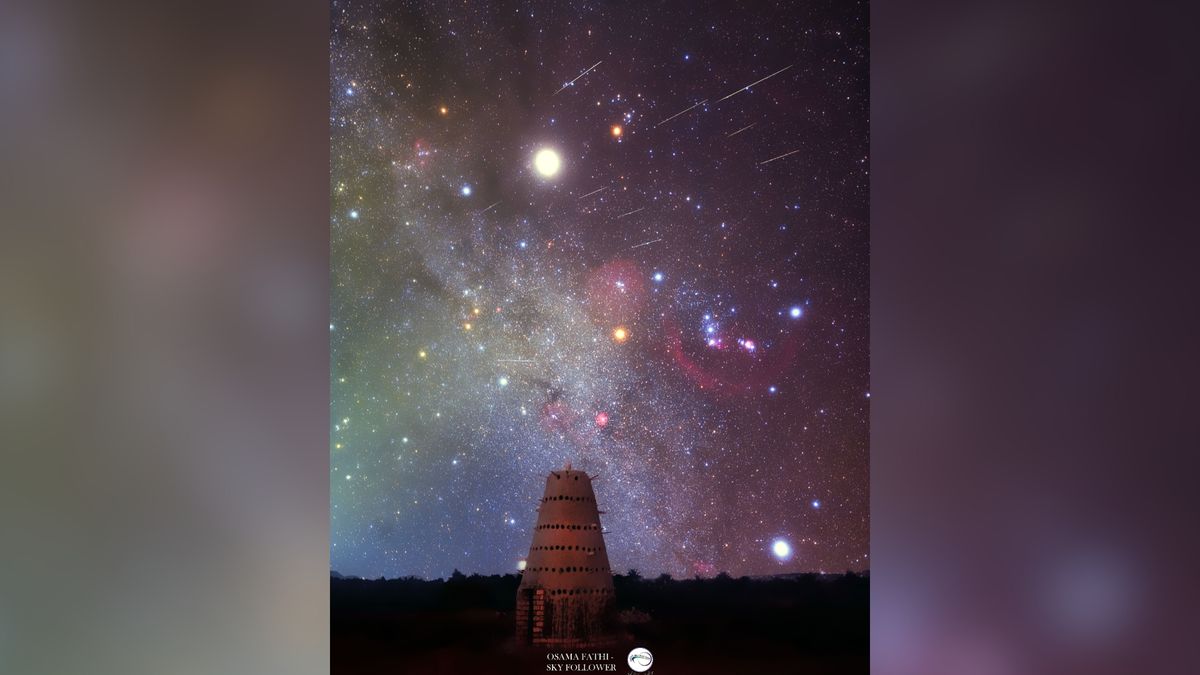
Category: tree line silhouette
[810,613]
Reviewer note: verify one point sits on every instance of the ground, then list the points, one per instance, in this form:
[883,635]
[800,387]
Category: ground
[807,624]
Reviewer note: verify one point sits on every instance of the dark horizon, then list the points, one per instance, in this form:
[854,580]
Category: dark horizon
[701,626]
[625,575]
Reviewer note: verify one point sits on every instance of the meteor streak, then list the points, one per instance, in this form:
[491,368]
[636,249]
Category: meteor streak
[489,208]
[754,83]
[646,243]
[593,192]
[580,75]
[631,212]
[679,113]
[739,130]
[780,156]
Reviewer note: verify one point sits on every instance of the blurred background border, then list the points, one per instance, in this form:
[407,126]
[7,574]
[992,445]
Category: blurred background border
[1033,323]
[163,350]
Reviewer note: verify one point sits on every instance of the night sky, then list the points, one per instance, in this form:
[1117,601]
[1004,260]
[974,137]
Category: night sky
[571,231]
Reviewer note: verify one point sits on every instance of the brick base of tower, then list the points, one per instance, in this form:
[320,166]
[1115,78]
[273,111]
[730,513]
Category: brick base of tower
[569,622]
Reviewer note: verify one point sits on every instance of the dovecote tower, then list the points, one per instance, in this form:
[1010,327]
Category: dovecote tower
[566,594]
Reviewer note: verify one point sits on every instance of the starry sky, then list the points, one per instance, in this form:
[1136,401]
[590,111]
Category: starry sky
[632,236]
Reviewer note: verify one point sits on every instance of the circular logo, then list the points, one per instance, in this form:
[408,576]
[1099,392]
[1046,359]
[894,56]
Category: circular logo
[640,659]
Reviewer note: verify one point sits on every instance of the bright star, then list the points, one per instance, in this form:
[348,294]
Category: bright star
[503,381]
[466,190]
[658,276]
[816,503]
[620,334]
[781,549]
[354,215]
[547,162]
[796,312]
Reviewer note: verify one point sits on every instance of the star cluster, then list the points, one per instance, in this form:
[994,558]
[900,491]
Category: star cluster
[632,237]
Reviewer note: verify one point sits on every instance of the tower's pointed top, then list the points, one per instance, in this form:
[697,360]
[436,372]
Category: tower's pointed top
[568,467]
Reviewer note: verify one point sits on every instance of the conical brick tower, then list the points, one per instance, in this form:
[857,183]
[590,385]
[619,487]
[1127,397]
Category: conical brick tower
[566,594]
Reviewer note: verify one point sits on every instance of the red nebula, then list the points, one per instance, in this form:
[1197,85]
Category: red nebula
[744,370]
[615,292]
[421,151]
[557,416]
[601,419]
